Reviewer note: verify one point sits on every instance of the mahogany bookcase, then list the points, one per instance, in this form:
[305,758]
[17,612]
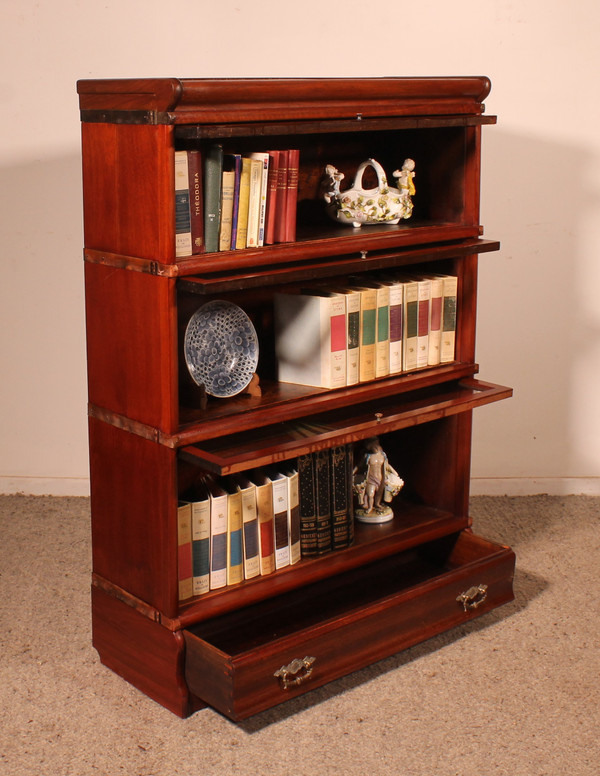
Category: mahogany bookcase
[149,435]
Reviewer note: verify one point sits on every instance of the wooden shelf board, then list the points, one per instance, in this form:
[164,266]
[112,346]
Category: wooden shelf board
[288,401]
[329,240]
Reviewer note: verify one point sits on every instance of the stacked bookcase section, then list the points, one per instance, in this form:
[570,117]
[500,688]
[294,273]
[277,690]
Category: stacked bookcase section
[163,448]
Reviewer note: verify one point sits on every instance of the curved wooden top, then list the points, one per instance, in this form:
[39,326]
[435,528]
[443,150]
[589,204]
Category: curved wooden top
[197,100]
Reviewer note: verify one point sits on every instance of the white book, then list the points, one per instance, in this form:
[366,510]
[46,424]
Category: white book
[424,301]
[396,325]
[227,187]
[184,550]
[435,321]
[293,514]
[310,339]
[183,223]
[218,536]
[256,173]
[201,545]
[250,526]
[266,529]
[382,346]
[280,516]
[411,325]
[352,297]
[449,304]
[264,159]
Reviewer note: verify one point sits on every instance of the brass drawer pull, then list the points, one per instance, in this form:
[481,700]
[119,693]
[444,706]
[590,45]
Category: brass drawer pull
[295,673]
[473,597]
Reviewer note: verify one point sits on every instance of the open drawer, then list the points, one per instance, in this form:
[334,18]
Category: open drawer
[246,661]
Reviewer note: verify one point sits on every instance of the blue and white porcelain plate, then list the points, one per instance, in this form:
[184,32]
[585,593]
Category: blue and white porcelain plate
[221,348]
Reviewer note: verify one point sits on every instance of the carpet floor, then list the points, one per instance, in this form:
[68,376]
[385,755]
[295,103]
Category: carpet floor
[513,693]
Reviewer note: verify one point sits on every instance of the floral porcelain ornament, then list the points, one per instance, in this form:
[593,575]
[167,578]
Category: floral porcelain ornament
[382,205]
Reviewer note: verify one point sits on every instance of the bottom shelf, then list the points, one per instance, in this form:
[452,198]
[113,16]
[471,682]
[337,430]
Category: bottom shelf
[246,661]
[412,524]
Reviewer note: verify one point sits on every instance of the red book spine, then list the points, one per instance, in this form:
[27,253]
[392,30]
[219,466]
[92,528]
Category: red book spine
[292,195]
[281,206]
[272,184]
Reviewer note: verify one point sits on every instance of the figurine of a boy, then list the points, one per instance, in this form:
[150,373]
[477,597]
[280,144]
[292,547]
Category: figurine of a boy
[375,481]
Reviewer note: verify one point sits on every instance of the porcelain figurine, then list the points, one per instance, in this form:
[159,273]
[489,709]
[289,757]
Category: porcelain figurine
[375,481]
[382,205]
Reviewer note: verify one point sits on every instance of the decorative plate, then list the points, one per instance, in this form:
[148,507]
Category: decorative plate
[221,348]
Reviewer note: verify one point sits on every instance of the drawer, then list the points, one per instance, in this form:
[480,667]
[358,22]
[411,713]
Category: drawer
[246,661]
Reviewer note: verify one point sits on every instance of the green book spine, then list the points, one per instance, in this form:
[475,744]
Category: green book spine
[213,168]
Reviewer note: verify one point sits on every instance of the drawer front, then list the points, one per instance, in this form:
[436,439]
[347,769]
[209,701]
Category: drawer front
[243,684]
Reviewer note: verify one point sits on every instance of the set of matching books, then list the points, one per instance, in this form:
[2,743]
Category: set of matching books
[236,528]
[244,526]
[326,505]
[377,325]
[233,201]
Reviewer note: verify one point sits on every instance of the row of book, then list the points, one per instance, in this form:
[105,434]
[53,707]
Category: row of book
[243,526]
[233,201]
[377,325]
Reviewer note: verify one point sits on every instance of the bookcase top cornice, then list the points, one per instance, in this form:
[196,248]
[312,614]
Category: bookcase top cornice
[233,100]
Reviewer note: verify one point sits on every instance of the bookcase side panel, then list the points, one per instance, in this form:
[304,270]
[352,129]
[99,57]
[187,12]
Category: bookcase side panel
[132,345]
[141,651]
[467,309]
[472,174]
[128,173]
[133,503]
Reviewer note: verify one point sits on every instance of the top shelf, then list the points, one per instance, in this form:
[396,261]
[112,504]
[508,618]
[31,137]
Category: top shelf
[233,100]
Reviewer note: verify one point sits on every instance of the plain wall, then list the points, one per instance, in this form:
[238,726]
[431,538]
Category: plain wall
[538,316]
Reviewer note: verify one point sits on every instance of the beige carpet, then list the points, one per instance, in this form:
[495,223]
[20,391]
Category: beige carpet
[515,693]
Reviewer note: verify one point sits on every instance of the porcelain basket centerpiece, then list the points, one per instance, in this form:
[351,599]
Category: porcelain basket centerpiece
[381,205]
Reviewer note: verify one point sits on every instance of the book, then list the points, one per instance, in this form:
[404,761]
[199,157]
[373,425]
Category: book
[183,227]
[251,559]
[254,203]
[218,535]
[352,298]
[307,505]
[233,163]
[293,514]
[291,198]
[342,513]
[411,325]
[338,345]
[435,321]
[264,159]
[235,541]
[282,189]
[227,190]
[382,326]
[184,550]
[367,333]
[196,200]
[424,302]
[201,543]
[310,339]
[266,527]
[448,346]
[322,466]
[243,201]
[271,206]
[396,325]
[213,167]
[279,485]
